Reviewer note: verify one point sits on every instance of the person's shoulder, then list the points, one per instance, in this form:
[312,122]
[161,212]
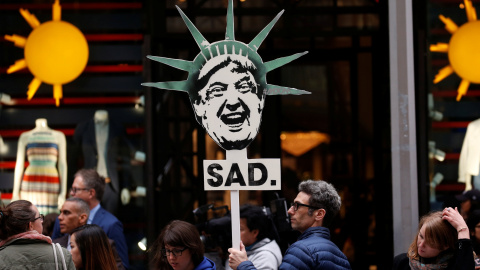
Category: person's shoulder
[206,264]
[104,214]
[316,245]
[62,240]
[105,219]
[400,262]
[314,237]
[267,245]
[320,249]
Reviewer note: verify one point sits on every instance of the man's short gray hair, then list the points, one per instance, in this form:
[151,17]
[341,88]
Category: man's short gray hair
[322,195]
[82,205]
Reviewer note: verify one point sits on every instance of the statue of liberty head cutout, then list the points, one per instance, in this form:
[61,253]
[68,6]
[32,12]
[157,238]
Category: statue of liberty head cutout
[227,83]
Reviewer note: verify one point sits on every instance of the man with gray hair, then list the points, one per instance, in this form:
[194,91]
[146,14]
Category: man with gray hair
[74,213]
[89,186]
[314,208]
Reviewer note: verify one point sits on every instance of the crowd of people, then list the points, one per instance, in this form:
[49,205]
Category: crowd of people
[85,236]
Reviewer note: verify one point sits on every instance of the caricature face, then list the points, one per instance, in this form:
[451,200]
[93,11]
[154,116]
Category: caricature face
[230,104]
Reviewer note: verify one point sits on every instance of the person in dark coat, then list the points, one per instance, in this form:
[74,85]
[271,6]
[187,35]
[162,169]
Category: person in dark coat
[473,223]
[315,206]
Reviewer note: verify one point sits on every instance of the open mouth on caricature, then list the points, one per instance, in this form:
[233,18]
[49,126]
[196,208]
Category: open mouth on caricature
[234,121]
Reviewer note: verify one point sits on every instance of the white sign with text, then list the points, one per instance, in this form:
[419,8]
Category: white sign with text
[250,174]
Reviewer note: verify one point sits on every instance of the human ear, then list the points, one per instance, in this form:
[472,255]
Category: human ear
[321,214]
[83,218]
[93,193]
[256,232]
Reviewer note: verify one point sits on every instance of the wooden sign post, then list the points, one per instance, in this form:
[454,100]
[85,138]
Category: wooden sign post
[239,173]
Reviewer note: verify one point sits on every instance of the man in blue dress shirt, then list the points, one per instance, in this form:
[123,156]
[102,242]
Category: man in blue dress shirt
[89,186]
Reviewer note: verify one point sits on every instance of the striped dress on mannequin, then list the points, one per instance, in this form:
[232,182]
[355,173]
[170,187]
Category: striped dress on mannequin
[40,182]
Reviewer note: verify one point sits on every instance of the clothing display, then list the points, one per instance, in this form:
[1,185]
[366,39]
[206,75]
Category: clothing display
[264,254]
[104,142]
[44,180]
[462,260]
[312,250]
[469,163]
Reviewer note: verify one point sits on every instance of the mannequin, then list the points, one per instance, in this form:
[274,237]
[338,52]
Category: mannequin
[469,163]
[101,135]
[44,181]
[103,142]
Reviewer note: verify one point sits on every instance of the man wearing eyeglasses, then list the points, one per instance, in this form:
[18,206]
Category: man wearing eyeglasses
[74,214]
[314,208]
[89,186]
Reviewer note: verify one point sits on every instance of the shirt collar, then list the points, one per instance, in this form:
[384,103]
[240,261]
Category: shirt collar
[93,211]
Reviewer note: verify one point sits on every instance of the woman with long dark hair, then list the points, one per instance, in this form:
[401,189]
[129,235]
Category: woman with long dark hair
[91,249]
[22,244]
[179,247]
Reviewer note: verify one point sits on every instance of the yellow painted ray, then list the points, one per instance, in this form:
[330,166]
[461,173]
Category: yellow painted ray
[17,40]
[449,24]
[439,47]
[470,10]
[57,93]
[462,89]
[30,18]
[33,87]
[56,11]
[443,73]
[19,64]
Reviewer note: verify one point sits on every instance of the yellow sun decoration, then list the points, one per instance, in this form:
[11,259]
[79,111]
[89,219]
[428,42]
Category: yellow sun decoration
[463,52]
[56,52]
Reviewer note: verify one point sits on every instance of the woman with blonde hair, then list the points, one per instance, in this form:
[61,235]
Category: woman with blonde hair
[442,242]
[23,246]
